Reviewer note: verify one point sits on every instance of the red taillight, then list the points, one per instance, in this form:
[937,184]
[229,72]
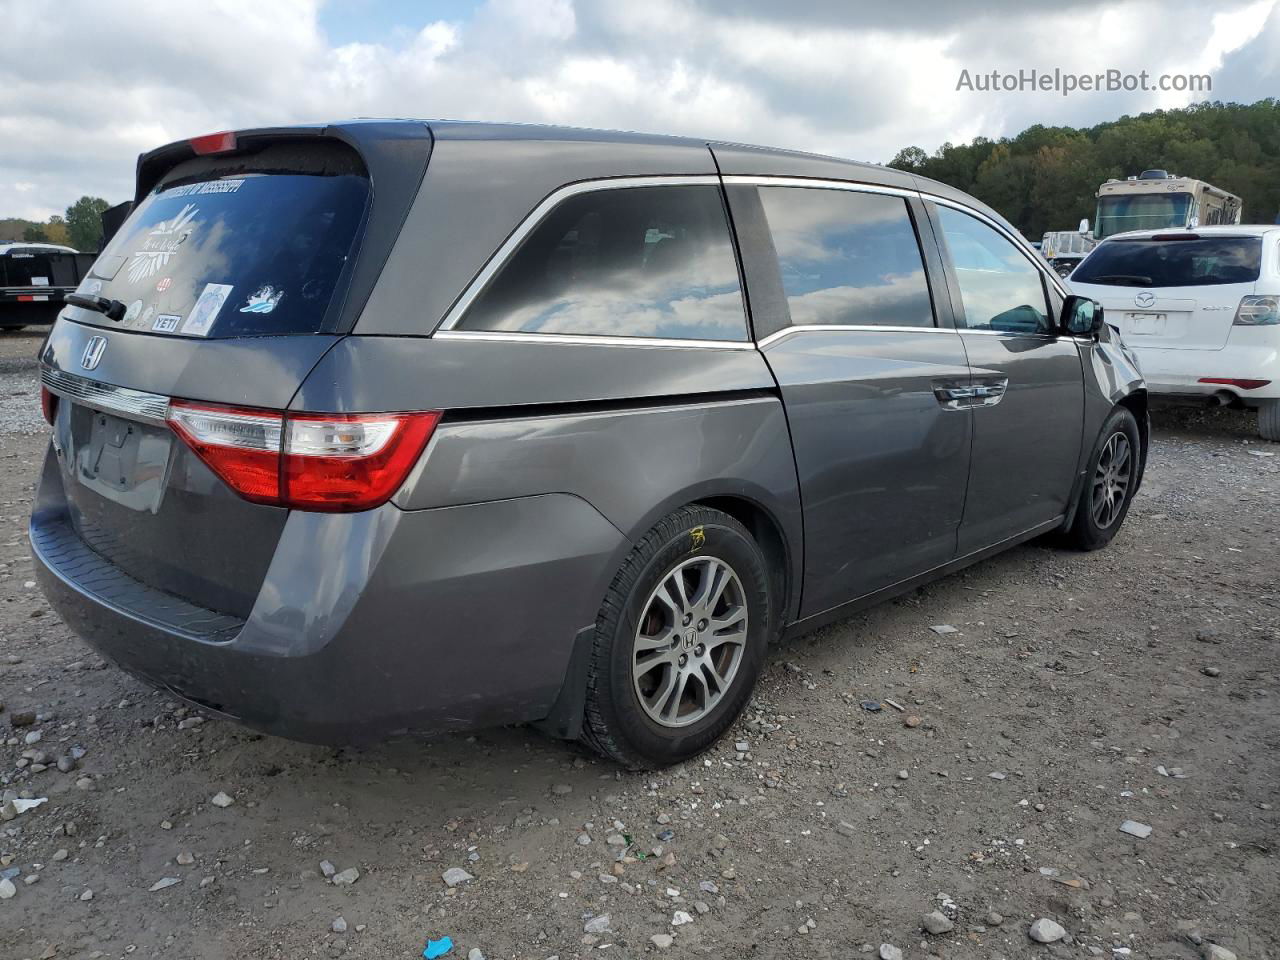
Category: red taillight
[222,142]
[350,462]
[308,461]
[48,404]
[1235,382]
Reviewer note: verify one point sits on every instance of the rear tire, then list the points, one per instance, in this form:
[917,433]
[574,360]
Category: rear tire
[1110,481]
[1269,420]
[680,640]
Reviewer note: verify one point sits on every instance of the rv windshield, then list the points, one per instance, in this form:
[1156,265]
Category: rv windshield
[1148,211]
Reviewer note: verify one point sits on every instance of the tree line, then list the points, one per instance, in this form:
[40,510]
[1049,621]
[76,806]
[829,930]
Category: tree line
[81,227]
[1046,178]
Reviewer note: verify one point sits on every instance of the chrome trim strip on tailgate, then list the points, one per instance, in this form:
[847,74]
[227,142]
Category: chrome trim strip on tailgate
[135,404]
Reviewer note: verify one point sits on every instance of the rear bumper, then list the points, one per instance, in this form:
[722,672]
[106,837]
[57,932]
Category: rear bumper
[1178,372]
[20,306]
[367,624]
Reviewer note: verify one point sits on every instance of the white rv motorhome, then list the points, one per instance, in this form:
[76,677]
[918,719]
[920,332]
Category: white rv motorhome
[1155,199]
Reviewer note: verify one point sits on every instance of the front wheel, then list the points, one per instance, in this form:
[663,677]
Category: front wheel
[679,641]
[1110,483]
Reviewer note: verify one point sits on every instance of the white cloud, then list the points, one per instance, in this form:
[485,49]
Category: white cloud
[84,91]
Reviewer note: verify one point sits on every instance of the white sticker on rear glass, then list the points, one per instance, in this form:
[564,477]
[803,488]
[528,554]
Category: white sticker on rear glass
[39,281]
[263,300]
[210,186]
[166,322]
[162,243]
[206,310]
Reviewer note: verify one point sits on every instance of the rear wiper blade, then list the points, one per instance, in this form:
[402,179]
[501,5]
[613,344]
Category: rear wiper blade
[113,309]
[1137,280]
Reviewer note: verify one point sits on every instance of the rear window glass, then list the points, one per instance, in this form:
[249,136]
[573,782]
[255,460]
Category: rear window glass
[630,262]
[253,254]
[26,268]
[1173,263]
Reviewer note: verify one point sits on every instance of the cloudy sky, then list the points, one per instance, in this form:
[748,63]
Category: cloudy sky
[86,85]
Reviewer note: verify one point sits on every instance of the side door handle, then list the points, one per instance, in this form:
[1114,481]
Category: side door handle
[954,394]
[983,392]
[988,391]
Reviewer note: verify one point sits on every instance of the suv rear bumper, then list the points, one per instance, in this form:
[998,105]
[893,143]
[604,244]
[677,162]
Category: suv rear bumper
[1179,371]
[366,624]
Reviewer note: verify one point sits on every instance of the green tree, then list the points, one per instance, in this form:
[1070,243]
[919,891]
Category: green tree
[1046,178]
[35,234]
[909,158]
[84,223]
[56,230]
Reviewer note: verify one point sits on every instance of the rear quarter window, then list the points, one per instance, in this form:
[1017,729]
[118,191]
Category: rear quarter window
[625,262]
[1204,262]
[256,252]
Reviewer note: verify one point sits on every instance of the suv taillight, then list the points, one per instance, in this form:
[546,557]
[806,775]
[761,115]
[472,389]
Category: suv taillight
[1257,312]
[307,461]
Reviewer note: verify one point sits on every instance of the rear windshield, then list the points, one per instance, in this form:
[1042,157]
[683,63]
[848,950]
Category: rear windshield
[1173,263]
[250,254]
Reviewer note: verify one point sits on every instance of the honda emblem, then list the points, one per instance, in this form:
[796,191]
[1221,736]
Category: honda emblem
[93,351]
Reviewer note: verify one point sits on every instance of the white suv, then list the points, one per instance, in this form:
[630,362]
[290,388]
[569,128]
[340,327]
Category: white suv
[1200,307]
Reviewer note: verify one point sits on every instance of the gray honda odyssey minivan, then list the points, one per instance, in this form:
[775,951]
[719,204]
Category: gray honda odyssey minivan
[418,425]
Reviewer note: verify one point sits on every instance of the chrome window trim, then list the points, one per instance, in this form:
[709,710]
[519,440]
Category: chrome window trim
[536,216]
[817,183]
[106,397]
[523,336]
[848,327]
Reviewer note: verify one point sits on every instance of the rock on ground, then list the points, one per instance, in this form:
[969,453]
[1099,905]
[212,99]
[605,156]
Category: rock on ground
[1045,930]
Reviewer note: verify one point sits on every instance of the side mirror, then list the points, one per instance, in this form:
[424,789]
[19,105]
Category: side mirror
[1081,317]
[1084,227]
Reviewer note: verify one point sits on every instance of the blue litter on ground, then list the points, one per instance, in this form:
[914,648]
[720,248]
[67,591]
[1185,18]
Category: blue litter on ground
[437,948]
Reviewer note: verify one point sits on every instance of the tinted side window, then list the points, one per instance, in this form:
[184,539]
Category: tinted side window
[847,258]
[999,287]
[630,262]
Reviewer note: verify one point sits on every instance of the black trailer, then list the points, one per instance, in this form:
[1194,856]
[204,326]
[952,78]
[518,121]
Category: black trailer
[34,277]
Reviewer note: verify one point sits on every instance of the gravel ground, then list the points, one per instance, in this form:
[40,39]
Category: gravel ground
[1078,692]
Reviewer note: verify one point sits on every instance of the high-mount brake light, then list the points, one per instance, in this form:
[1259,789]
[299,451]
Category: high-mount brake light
[222,142]
[307,461]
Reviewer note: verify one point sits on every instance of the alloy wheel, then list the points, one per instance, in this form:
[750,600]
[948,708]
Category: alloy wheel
[690,641]
[1111,480]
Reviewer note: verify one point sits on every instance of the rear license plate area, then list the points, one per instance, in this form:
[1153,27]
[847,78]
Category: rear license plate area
[1145,324]
[123,460]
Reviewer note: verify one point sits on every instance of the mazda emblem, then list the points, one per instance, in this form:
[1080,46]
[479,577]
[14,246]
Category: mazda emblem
[1145,299]
[93,351]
